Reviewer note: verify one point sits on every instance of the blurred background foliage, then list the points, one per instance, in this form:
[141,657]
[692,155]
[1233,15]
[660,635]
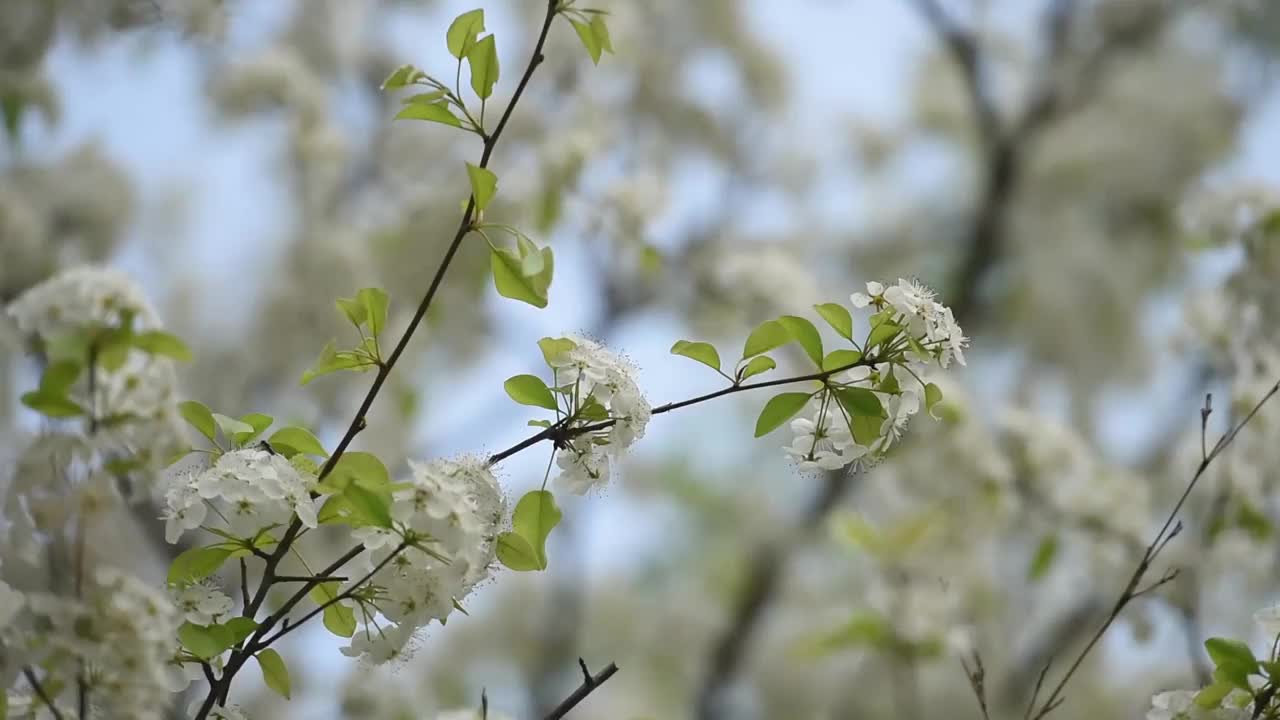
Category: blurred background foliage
[1068,174]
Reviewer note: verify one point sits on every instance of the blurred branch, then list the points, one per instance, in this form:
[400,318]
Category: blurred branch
[758,593]
[1169,530]
[589,684]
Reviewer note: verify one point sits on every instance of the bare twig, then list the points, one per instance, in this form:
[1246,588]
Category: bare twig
[40,693]
[977,675]
[589,684]
[1168,530]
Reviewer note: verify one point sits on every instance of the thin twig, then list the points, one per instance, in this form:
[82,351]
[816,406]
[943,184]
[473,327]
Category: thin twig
[40,692]
[1169,529]
[589,684]
[977,675]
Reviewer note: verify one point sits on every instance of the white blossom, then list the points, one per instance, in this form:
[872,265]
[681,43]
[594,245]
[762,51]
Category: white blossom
[202,603]
[1181,705]
[11,603]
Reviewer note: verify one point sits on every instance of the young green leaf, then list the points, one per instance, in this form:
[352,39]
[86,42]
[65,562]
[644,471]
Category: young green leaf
[353,309]
[274,672]
[437,112]
[530,390]
[932,396]
[1043,558]
[338,618]
[158,342]
[554,348]
[704,353]
[201,641]
[838,317]
[332,360]
[512,283]
[881,330]
[1213,695]
[778,410]
[402,76]
[257,422]
[865,413]
[370,508]
[230,426]
[757,365]
[374,301]
[51,404]
[602,33]
[1224,651]
[463,31]
[290,441]
[356,467]
[806,334]
[199,417]
[197,564]
[769,335]
[516,553]
[840,359]
[535,516]
[483,185]
[483,58]
[587,35]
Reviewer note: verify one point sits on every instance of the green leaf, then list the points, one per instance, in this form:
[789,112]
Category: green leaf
[353,309]
[158,342]
[863,630]
[338,618]
[1226,651]
[602,33]
[274,672]
[881,330]
[257,423]
[59,376]
[199,417]
[483,57]
[463,31]
[516,553]
[370,507]
[290,441]
[360,468]
[512,283]
[838,317]
[757,365]
[932,396]
[769,335]
[1213,695]
[200,641]
[806,334]
[1045,553]
[197,564]
[402,76]
[553,348]
[483,185]
[332,360]
[533,519]
[590,41]
[437,112]
[230,426]
[530,390]
[840,359]
[865,413]
[704,353]
[778,410]
[374,301]
[51,405]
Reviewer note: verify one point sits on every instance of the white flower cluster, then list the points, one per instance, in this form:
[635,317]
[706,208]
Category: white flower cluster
[1181,705]
[124,631]
[141,395]
[449,513]
[202,603]
[925,319]
[248,489]
[594,373]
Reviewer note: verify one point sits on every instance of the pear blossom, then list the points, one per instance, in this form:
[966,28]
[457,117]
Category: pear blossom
[202,603]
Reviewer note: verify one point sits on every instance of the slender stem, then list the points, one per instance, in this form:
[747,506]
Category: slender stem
[589,684]
[40,692]
[561,429]
[1167,532]
[309,578]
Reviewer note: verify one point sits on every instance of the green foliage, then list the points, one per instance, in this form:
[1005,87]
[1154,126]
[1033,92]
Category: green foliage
[209,641]
[51,398]
[932,396]
[864,629]
[200,417]
[158,342]
[437,112]
[755,366]
[865,413]
[1043,558]
[838,317]
[842,358]
[523,548]
[778,410]
[769,335]
[338,618]
[704,353]
[515,277]
[594,35]
[197,564]
[803,332]
[257,423]
[483,58]
[555,347]
[274,672]
[484,184]
[332,360]
[290,441]
[882,330]
[403,76]
[530,390]
[361,492]
[356,467]
[463,31]
[1233,663]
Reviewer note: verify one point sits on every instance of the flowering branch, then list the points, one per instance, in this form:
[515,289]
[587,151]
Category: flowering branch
[589,684]
[1170,529]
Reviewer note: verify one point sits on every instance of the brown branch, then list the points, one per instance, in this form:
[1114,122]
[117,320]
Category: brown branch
[589,684]
[40,693]
[1171,527]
